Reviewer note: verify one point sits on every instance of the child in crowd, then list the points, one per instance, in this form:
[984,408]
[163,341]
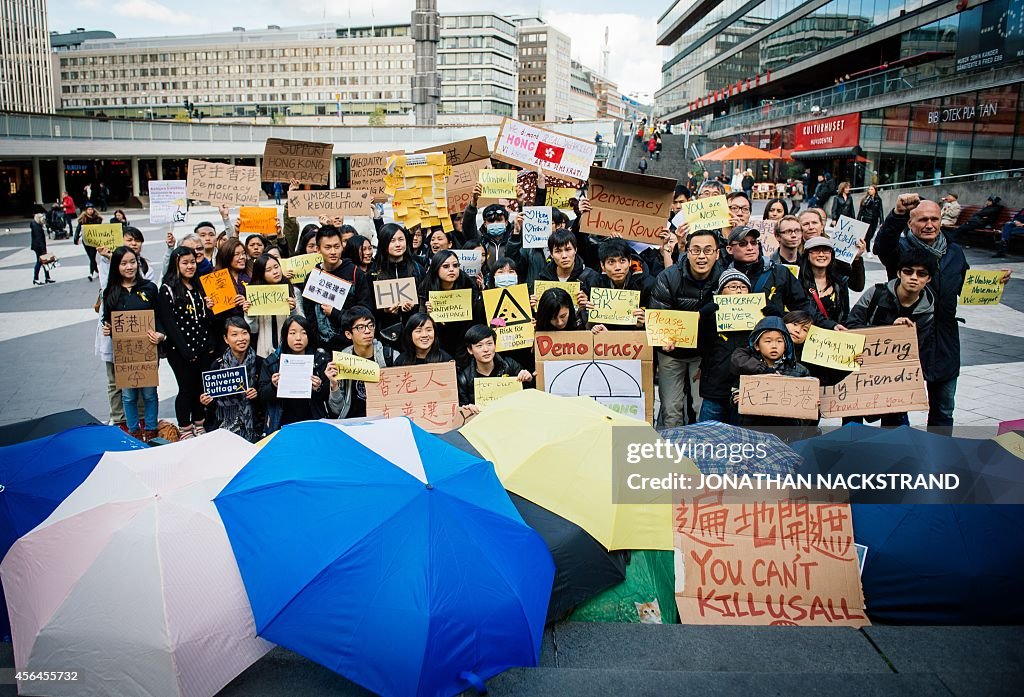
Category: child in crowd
[716,350]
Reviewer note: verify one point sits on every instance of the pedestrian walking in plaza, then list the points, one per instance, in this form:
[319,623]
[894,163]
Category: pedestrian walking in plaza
[70,211]
[843,204]
[38,245]
[90,216]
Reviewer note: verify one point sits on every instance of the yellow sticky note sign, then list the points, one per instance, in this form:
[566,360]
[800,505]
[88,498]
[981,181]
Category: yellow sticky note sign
[109,235]
[982,288]
[739,313]
[419,171]
[571,287]
[711,213]
[498,183]
[510,316]
[267,300]
[447,225]
[486,391]
[558,197]
[301,265]
[831,349]
[256,219]
[451,305]
[613,306]
[352,367]
[672,327]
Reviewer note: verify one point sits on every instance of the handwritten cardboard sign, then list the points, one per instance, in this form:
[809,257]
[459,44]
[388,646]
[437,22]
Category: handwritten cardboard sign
[109,235]
[330,202]
[326,289]
[982,288]
[136,363]
[226,381]
[234,185]
[497,183]
[427,394]
[777,395]
[529,146]
[571,287]
[672,327]
[353,367]
[889,381]
[510,315]
[451,305]
[711,213]
[301,265]
[845,236]
[832,349]
[268,300]
[285,160]
[462,151]
[470,260]
[368,172]
[767,563]
[613,306]
[559,197]
[461,183]
[167,201]
[635,206]
[769,242]
[604,353]
[486,391]
[395,291]
[739,313]
[537,226]
[256,219]
[219,286]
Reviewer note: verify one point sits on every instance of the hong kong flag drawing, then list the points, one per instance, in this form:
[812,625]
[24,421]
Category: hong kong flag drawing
[549,153]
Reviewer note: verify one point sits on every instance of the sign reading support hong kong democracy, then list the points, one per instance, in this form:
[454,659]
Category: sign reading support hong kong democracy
[530,146]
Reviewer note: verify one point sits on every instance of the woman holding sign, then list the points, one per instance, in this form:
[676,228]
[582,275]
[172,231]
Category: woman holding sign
[90,216]
[184,313]
[231,255]
[127,291]
[394,260]
[266,329]
[297,337]
[445,273]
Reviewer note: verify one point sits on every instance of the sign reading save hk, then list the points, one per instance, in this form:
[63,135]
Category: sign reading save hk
[833,132]
[530,146]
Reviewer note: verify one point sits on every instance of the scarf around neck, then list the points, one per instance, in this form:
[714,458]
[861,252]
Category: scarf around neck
[938,249]
[236,410]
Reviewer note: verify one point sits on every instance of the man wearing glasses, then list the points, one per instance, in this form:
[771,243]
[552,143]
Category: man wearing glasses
[688,285]
[348,397]
[739,208]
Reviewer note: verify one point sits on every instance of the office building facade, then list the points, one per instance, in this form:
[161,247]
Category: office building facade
[545,71]
[477,61]
[26,78]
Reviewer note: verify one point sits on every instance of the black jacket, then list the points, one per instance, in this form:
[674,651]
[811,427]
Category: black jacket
[880,307]
[676,289]
[142,296]
[846,277]
[361,293]
[503,368]
[186,321]
[716,349]
[781,288]
[587,277]
[945,285]
[842,206]
[451,334]
[871,211]
[38,239]
[281,412]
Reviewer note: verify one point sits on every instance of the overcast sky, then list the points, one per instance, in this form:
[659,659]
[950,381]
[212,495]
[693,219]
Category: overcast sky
[634,60]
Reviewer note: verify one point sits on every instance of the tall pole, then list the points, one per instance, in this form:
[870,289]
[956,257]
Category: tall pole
[426,84]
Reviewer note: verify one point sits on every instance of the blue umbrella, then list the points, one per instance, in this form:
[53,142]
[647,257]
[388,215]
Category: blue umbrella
[37,475]
[387,555]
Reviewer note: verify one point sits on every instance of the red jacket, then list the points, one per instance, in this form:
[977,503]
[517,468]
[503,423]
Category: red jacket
[69,205]
[652,144]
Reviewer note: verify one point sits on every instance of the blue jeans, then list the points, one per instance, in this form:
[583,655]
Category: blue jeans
[130,398]
[941,401]
[715,410]
[1009,230]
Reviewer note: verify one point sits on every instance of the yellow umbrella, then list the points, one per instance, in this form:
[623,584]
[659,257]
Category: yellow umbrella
[557,452]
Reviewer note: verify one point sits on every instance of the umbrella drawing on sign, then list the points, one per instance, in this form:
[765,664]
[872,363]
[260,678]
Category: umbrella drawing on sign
[35,476]
[130,582]
[566,464]
[583,567]
[388,556]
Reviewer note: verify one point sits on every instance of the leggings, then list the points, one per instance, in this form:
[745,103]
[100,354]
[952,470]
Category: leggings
[91,253]
[189,376]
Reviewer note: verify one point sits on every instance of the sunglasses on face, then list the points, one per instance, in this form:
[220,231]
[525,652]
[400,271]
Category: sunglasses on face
[919,273]
[745,243]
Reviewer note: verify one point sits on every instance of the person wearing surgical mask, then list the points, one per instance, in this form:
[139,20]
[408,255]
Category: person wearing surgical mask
[505,274]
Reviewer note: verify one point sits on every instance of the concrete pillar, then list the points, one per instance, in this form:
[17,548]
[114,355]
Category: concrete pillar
[61,185]
[232,161]
[259,163]
[37,182]
[160,168]
[136,187]
[332,175]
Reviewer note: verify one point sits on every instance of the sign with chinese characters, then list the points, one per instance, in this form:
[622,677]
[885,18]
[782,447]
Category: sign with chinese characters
[427,394]
[136,363]
[220,288]
[529,146]
[777,395]
[234,185]
[784,563]
[288,160]
[325,289]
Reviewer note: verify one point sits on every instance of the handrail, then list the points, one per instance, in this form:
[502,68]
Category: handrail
[939,181]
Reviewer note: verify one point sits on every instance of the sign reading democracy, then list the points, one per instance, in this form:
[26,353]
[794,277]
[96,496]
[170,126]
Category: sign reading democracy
[530,147]
[890,379]
[633,206]
[330,202]
[288,160]
[226,382]
[739,313]
[136,363]
[233,185]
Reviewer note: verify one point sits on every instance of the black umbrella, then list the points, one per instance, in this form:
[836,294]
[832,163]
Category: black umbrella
[45,426]
[583,567]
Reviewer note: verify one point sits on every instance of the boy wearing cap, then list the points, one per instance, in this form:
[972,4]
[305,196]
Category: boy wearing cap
[716,349]
[781,289]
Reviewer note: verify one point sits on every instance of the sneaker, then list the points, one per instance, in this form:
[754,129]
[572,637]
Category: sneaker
[198,429]
[186,432]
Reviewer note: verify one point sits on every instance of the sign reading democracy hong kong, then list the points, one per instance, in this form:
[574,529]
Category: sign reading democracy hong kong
[833,132]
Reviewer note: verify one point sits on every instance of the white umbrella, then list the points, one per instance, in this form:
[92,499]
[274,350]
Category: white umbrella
[130,585]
